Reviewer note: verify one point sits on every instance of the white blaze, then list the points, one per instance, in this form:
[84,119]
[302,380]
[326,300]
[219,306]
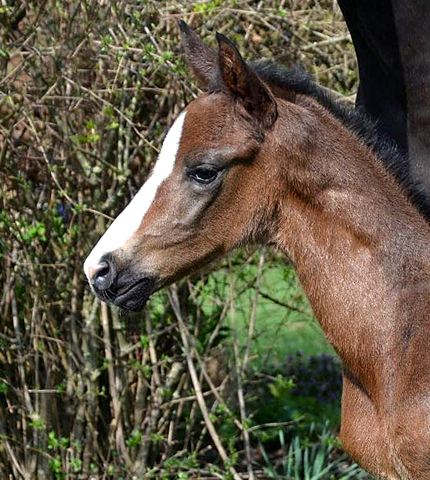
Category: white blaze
[126,224]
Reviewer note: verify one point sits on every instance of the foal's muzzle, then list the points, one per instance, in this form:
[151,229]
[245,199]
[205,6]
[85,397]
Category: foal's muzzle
[123,288]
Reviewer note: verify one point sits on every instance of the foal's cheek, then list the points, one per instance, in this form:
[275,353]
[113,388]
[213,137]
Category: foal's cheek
[194,209]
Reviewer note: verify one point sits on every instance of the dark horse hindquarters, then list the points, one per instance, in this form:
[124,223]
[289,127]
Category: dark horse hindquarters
[392,43]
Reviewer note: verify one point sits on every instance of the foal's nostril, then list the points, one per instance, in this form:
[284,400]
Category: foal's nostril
[101,276]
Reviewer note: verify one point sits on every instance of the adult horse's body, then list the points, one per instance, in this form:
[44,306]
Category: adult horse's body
[266,157]
[393,51]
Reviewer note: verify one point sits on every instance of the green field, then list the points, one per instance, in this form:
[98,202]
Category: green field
[284,322]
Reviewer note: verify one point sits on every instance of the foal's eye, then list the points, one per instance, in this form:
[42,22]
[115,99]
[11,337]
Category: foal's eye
[203,174]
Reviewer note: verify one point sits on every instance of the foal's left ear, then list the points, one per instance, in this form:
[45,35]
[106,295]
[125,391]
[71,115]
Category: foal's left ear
[241,81]
[199,57]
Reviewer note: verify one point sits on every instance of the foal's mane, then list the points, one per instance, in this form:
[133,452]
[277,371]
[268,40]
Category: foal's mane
[355,120]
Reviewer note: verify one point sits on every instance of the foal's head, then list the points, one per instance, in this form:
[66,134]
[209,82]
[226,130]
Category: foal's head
[211,189]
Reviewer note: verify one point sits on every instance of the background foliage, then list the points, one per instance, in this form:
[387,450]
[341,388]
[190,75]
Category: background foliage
[206,383]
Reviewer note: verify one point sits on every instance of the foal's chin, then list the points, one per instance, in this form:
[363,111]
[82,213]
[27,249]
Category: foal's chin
[131,297]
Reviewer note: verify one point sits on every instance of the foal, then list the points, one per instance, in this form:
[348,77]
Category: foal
[262,159]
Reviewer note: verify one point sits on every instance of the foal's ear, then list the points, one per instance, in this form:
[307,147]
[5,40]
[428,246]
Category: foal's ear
[241,81]
[200,58]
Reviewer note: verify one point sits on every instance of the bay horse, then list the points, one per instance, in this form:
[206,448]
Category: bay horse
[265,156]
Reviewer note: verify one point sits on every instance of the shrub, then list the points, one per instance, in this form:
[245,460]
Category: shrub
[87,91]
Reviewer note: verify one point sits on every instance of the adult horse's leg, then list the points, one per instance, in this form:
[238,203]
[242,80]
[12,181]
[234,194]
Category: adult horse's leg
[412,19]
[382,90]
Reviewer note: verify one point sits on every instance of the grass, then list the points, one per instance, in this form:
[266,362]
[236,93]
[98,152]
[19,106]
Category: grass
[284,322]
[281,330]
[304,460]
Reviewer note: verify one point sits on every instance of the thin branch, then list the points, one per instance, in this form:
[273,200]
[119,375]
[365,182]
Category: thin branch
[174,301]
[283,304]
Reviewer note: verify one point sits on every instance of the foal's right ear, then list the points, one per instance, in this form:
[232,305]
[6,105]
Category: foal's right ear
[202,60]
[245,85]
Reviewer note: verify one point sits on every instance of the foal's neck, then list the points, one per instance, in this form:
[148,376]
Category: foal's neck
[355,239]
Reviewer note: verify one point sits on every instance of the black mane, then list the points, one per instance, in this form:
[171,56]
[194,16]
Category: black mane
[355,120]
